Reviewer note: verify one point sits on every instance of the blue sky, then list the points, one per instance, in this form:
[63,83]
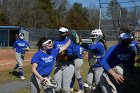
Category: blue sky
[86,3]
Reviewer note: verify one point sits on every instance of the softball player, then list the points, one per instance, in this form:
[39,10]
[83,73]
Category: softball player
[95,55]
[20,46]
[134,45]
[64,68]
[78,52]
[42,64]
[118,64]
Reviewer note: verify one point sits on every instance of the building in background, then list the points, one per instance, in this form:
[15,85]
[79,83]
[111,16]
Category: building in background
[8,35]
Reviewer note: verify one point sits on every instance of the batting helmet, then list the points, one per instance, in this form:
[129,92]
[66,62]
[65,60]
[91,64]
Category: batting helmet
[21,35]
[96,34]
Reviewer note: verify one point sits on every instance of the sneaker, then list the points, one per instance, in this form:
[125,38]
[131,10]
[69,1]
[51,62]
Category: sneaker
[80,91]
[71,89]
[22,77]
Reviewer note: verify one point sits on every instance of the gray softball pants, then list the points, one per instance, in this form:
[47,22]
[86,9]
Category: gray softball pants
[35,86]
[109,85]
[20,59]
[78,64]
[94,74]
[63,75]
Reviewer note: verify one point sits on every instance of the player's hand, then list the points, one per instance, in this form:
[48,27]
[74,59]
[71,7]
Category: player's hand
[44,81]
[119,78]
[26,49]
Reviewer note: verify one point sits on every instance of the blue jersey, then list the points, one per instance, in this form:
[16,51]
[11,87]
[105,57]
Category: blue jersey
[134,46]
[116,55]
[96,52]
[78,51]
[20,44]
[45,61]
[59,43]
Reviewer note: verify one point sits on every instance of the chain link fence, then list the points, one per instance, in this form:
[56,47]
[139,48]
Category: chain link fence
[53,34]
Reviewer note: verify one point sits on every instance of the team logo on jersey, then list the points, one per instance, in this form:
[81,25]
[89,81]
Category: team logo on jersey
[124,56]
[59,45]
[21,44]
[47,59]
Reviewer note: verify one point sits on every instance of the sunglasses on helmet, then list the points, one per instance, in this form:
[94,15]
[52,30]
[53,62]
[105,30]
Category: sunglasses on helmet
[47,42]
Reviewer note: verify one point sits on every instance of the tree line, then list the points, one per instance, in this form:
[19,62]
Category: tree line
[47,14]
[50,14]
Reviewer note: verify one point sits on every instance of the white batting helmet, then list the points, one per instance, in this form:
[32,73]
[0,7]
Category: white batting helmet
[21,35]
[63,29]
[96,34]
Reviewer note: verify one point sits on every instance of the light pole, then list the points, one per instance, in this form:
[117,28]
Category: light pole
[1,2]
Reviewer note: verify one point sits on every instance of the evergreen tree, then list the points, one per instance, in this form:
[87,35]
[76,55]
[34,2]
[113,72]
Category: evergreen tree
[77,18]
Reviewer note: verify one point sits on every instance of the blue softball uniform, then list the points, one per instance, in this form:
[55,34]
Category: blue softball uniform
[59,43]
[20,44]
[78,51]
[118,54]
[45,61]
[134,46]
[97,50]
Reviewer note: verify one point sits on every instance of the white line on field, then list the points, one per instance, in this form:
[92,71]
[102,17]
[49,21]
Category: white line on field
[12,62]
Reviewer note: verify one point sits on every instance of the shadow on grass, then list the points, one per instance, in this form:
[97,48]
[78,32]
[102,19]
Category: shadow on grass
[132,86]
[15,73]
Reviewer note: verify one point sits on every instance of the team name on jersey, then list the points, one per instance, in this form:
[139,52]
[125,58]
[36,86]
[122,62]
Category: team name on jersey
[131,44]
[47,59]
[124,56]
[21,44]
[59,45]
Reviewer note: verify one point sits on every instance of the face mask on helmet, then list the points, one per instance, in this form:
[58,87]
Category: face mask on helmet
[125,42]
[96,35]
[63,33]
[125,39]
[21,35]
[48,45]
[49,50]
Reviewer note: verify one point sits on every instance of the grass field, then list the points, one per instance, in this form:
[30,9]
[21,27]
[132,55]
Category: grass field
[6,77]
[132,86]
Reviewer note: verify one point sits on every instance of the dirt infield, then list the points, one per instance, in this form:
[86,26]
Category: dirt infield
[7,58]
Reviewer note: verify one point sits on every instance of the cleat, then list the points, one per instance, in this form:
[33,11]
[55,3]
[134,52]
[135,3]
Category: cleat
[22,77]
[71,89]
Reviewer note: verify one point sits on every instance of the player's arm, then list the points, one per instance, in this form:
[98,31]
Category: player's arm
[118,77]
[35,72]
[65,46]
[27,47]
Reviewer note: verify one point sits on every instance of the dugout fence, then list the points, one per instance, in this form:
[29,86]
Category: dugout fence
[36,34]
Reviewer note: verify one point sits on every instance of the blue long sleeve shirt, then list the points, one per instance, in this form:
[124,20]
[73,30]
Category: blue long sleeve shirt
[118,54]
[134,46]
